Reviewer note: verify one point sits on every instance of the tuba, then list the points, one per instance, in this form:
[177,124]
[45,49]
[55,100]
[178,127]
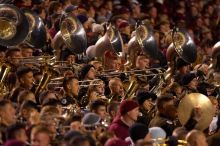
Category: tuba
[14,26]
[37,35]
[183,46]
[143,41]
[110,41]
[73,34]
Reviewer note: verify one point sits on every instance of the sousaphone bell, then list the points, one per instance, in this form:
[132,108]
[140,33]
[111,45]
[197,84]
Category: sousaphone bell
[14,26]
[37,33]
[142,42]
[73,34]
[112,40]
[184,45]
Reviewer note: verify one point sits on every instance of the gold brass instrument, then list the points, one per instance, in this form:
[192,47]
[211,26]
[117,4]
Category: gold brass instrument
[14,25]
[189,102]
[4,70]
[48,73]
[132,88]
[73,34]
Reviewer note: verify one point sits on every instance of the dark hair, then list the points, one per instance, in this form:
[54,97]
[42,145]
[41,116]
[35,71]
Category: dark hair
[74,118]
[78,141]
[51,102]
[22,71]
[163,99]
[38,9]
[14,129]
[53,6]
[96,104]
[67,80]
[11,51]
[43,95]
[28,105]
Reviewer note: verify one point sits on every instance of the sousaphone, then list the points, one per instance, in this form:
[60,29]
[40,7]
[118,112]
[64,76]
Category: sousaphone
[14,26]
[73,34]
[143,41]
[184,45]
[37,33]
[111,40]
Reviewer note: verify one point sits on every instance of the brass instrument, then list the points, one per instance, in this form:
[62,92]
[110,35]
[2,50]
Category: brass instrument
[132,88]
[189,102]
[142,42]
[73,34]
[14,26]
[4,70]
[37,33]
[111,41]
[183,46]
[48,73]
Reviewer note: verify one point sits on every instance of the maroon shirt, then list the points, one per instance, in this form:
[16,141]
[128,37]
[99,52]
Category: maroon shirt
[119,128]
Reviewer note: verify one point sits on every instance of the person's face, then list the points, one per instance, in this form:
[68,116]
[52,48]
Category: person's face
[27,52]
[100,89]
[136,9]
[27,80]
[153,12]
[133,114]
[143,63]
[43,15]
[71,59]
[76,126]
[59,10]
[91,74]
[117,88]
[178,90]
[15,58]
[194,83]
[101,111]
[148,104]
[86,25]
[40,139]
[115,64]
[184,69]
[209,91]
[74,87]
[9,114]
